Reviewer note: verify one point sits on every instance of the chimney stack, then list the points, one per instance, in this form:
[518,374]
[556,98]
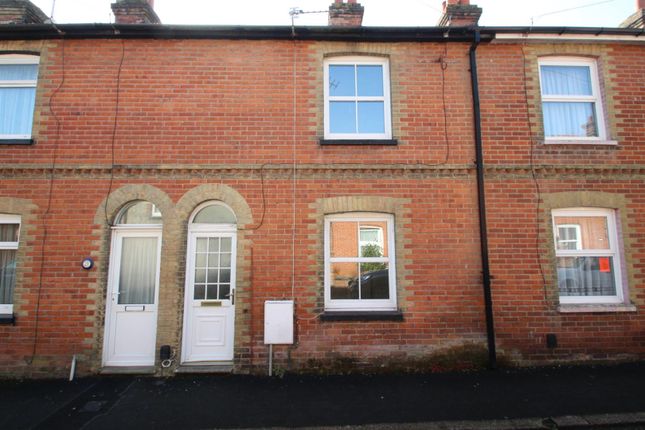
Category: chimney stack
[135,12]
[348,14]
[637,19]
[21,12]
[459,13]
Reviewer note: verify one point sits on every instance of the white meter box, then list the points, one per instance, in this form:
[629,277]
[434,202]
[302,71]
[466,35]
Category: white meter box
[278,322]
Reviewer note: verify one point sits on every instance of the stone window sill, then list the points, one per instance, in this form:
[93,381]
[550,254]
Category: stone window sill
[607,308]
[361,316]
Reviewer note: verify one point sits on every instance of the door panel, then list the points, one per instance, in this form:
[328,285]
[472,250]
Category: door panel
[209,315]
[131,303]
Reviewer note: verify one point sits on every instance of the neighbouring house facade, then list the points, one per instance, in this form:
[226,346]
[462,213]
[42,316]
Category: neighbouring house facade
[457,191]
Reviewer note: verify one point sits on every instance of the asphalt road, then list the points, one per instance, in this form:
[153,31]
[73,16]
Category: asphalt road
[546,396]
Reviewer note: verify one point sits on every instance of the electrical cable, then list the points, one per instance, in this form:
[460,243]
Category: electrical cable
[264,202]
[114,129]
[571,9]
[538,191]
[50,194]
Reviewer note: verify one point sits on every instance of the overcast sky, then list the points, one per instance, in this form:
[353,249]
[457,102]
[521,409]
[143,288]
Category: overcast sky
[585,13]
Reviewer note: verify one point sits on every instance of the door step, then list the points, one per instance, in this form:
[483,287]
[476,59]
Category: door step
[128,370]
[204,368]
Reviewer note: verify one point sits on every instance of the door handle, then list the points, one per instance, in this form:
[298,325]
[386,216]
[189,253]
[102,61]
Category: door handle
[231,296]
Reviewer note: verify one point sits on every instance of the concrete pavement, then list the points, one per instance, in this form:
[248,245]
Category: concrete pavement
[554,397]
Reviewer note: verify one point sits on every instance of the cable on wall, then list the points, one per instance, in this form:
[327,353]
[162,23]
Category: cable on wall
[50,193]
[114,129]
[444,65]
[538,191]
[264,202]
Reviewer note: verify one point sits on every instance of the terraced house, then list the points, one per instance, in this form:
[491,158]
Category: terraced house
[207,199]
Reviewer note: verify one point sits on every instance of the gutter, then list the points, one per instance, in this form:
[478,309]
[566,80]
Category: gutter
[160,31]
[481,200]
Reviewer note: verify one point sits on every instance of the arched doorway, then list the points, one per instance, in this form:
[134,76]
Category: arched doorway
[133,287]
[209,301]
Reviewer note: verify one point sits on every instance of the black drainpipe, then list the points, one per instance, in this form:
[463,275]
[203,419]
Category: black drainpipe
[483,235]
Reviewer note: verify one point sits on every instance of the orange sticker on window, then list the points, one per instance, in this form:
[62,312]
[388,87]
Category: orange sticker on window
[603,262]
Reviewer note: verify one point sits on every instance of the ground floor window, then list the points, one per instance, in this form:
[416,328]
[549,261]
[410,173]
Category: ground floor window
[587,255]
[360,272]
[9,234]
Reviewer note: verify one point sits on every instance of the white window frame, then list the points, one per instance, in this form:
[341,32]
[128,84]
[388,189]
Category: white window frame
[7,308]
[362,61]
[358,304]
[577,240]
[613,251]
[26,83]
[594,98]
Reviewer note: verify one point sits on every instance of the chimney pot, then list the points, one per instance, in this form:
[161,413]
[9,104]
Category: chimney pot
[458,13]
[21,12]
[135,12]
[348,14]
[637,19]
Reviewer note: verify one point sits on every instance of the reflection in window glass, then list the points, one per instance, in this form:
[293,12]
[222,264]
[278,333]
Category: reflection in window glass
[587,261]
[358,268]
[357,98]
[140,212]
[212,268]
[341,80]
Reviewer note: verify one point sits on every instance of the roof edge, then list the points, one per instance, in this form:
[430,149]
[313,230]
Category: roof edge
[375,34]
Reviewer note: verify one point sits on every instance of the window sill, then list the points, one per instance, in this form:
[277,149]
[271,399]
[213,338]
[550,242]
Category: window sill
[7,319]
[580,142]
[16,141]
[596,308]
[378,142]
[361,316]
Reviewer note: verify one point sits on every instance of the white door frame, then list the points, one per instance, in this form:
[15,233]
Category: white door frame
[208,230]
[111,302]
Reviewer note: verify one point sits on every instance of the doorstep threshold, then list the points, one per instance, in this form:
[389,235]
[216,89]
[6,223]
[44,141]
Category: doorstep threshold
[128,370]
[205,367]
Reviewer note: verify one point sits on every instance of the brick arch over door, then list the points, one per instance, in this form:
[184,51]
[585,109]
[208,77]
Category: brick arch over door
[237,203]
[106,212]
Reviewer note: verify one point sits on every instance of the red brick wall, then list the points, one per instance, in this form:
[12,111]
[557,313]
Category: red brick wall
[210,109]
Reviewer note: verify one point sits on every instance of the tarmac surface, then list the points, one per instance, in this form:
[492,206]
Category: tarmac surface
[538,398]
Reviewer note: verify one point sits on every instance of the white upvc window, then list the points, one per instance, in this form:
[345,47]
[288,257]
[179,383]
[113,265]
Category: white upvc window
[9,236]
[357,98]
[360,274]
[18,77]
[588,260]
[571,101]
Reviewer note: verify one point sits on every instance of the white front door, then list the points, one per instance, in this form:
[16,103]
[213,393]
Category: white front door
[209,310]
[133,290]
